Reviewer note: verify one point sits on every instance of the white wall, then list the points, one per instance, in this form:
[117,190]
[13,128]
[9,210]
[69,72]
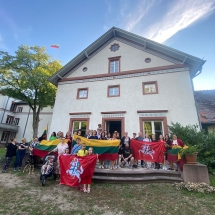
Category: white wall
[131,59]
[45,118]
[175,95]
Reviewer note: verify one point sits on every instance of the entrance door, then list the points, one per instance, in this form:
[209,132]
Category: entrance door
[112,126]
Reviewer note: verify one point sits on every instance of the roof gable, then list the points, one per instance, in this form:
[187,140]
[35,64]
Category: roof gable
[195,64]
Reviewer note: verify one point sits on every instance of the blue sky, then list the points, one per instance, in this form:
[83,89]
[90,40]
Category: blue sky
[186,25]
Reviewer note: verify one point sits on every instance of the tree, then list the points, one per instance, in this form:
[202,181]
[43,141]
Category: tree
[24,76]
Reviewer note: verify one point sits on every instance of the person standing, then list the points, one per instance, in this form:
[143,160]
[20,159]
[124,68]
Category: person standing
[20,154]
[11,152]
[94,136]
[31,147]
[87,135]
[140,138]
[53,136]
[147,139]
[60,149]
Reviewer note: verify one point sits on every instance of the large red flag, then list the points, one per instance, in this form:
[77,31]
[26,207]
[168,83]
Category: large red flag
[77,170]
[148,151]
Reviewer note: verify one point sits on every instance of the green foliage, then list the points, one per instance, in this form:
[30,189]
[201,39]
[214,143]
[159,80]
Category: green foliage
[190,150]
[24,76]
[189,134]
[204,142]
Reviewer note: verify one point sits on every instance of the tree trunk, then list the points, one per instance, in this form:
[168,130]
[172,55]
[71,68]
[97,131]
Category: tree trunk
[36,120]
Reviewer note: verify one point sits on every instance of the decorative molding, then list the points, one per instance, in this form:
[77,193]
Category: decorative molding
[80,113]
[126,74]
[152,111]
[112,115]
[151,114]
[80,116]
[113,112]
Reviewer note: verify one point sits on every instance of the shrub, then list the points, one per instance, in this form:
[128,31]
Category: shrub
[205,143]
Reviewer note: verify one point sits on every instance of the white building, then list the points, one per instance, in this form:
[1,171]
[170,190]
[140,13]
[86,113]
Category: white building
[16,119]
[126,83]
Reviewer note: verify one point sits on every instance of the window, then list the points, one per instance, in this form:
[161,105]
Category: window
[153,127]
[79,125]
[16,121]
[148,60]
[9,120]
[150,88]
[19,110]
[113,91]
[12,135]
[114,47]
[5,136]
[84,69]
[114,64]
[82,93]
[13,107]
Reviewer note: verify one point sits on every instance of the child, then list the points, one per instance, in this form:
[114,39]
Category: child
[66,151]
[87,186]
[47,166]
[83,152]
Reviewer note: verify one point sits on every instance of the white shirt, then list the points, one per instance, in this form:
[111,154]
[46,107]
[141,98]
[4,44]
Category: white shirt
[61,148]
[146,140]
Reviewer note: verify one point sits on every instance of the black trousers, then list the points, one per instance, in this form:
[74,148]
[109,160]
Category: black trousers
[157,165]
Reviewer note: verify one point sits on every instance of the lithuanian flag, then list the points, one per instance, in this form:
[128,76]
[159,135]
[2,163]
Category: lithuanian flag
[45,147]
[106,149]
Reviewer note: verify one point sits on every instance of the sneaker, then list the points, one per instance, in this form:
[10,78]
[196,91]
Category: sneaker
[100,167]
[142,166]
[15,169]
[4,170]
[19,169]
[130,167]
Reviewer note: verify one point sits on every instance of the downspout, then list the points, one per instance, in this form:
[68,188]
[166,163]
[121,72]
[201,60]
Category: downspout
[26,122]
[196,104]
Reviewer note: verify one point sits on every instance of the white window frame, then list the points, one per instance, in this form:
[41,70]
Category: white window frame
[153,125]
[114,66]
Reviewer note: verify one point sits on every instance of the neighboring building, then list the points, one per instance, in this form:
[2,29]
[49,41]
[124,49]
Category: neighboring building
[206,105]
[16,120]
[127,83]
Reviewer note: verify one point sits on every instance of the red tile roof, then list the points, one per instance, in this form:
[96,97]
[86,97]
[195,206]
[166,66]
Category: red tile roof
[206,104]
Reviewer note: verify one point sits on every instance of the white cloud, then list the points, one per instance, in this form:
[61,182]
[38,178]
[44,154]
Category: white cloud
[180,16]
[136,15]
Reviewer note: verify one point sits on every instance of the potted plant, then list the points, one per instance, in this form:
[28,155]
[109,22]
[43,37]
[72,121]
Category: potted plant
[190,154]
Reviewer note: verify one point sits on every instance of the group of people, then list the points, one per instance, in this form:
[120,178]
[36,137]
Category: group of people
[125,154]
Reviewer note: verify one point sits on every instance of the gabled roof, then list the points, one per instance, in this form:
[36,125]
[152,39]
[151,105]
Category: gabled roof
[206,105]
[195,64]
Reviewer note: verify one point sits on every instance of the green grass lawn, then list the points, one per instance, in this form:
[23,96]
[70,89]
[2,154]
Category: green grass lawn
[22,194]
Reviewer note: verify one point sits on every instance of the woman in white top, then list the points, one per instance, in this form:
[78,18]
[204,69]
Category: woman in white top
[61,147]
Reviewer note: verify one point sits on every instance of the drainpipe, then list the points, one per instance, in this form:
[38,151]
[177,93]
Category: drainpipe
[5,109]
[26,122]
[196,104]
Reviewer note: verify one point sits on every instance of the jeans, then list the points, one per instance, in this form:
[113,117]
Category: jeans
[7,163]
[19,158]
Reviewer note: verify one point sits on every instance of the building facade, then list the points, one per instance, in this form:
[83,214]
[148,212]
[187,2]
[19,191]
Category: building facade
[16,120]
[206,106]
[126,83]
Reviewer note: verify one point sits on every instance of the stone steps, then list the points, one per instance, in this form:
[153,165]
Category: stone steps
[140,175]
